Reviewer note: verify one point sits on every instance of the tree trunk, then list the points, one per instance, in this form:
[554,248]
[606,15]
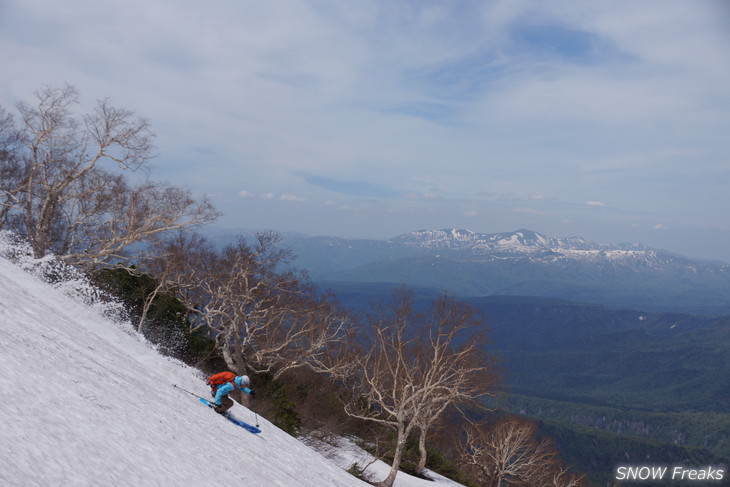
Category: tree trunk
[231,357]
[148,300]
[231,347]
[399,447]
[422,451]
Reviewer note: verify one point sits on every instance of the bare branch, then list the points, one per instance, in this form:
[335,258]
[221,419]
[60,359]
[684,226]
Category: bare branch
[415,367]
[265,318]
[508,451]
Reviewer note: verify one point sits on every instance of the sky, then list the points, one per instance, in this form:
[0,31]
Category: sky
[374,118]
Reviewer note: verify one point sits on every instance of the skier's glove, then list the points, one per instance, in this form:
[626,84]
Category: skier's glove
[253,394]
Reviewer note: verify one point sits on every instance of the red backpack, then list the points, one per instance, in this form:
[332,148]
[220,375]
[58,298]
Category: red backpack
[220,379]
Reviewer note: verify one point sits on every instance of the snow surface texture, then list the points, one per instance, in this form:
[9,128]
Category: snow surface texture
[87,401]
[345,452]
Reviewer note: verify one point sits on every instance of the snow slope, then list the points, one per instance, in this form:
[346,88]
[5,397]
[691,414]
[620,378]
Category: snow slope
[86,401]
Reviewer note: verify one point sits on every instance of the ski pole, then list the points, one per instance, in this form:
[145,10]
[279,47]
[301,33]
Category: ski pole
[250,406]
[192,394]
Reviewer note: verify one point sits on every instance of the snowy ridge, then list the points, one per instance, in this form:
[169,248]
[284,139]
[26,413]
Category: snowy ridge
[522,243]
[524,240]
[87,401]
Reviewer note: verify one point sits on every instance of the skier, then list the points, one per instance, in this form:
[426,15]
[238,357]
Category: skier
[224,383]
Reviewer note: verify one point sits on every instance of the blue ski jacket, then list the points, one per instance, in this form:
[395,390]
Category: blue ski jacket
[228,387]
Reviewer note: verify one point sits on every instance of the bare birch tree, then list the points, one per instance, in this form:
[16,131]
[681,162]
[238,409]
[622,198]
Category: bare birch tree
[64,192]
[466,370]
[176,265]
[508,452]
[413,369]
[264,318]
[10,167]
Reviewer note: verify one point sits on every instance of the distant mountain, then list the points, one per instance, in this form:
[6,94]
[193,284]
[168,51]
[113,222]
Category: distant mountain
[523,262]
[519,242]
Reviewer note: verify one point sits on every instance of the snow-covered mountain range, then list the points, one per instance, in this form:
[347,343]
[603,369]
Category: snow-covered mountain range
[522,243]
[522,262]
[466,239]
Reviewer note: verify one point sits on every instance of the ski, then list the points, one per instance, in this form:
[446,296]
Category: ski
[236,421]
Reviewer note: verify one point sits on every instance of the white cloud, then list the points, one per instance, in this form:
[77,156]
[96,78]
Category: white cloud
[245,194]
[528,211]
[598,204]
[292,197]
